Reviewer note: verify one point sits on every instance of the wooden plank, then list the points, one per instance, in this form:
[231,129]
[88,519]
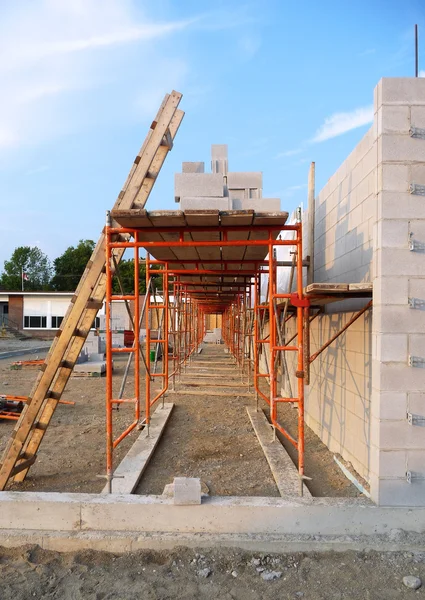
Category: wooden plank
[360,287]
[215,384]
[201,375]
[131,468]
[202,393]
[283,469]
[323,288]
[78,316]
[271,219]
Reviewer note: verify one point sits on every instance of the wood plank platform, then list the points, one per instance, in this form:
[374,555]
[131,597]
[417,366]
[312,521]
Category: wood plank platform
[131,468]
[199,393]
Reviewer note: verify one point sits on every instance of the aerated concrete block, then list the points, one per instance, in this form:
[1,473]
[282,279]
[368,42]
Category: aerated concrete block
[243,180]
[257,204]
[187,490]
[198,184]
[219,160]
[400,90]
[193,167]
[204,203]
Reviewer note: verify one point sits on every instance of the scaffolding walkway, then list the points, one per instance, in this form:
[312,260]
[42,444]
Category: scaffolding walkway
[198,263]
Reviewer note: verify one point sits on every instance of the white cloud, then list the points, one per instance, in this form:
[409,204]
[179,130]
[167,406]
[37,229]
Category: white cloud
[367,52]
[289,153]
[51,52]
[36,170]
[249,45]
[421,73]
[340,123]
[290,191]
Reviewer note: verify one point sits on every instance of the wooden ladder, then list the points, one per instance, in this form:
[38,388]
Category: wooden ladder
[21,450]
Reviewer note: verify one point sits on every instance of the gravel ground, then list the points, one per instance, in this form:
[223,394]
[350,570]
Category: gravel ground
[9,344]
[207,436]
[225,574]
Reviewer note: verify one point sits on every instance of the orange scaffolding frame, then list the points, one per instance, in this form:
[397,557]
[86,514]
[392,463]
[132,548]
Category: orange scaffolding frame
[187,299]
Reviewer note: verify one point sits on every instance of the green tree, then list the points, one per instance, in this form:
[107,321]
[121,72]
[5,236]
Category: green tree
[33,263]
[126,272]
[70,266]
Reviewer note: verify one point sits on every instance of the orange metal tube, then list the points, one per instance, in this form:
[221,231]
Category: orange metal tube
[109,434]
[148,346]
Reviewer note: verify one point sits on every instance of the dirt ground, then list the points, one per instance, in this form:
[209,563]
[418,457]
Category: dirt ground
[207,436]
[29,572]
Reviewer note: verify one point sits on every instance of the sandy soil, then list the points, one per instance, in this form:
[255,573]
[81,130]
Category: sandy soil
[207,574]
[207,436]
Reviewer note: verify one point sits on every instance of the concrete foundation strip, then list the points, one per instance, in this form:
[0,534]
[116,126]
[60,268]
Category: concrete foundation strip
[131,468]
[120,523]
[283,469]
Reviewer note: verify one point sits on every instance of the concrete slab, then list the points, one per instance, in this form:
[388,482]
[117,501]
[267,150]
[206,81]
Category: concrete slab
[283,469]
[131,468]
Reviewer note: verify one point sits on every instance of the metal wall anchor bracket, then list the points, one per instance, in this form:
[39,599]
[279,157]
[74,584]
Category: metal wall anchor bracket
[411,477]
[415,246]
[415,419]
[417,189]
[417,303]
[417,132]
[416,361]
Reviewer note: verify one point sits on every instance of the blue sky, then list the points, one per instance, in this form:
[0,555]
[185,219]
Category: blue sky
[281,82]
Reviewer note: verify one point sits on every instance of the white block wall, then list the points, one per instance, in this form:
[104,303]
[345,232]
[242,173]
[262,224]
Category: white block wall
[338,399]
[398,330]
[346,211]
[362,386]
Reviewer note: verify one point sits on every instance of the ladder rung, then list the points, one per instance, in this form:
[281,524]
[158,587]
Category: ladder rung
[40,426]
[22,466]
[67,364]
[94,304]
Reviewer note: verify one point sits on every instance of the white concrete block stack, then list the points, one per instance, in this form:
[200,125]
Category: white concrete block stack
[220,190]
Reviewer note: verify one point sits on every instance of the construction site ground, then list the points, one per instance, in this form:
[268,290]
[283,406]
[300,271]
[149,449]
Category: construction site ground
[30,572]
[207,436]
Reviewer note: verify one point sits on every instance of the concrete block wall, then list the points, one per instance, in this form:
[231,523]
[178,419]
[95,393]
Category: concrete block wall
[338,399]
[363,387]
[346,210]
[397,447]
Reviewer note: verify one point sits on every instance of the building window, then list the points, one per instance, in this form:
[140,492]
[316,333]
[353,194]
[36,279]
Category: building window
[33,322]
[56,322]
[96,323]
